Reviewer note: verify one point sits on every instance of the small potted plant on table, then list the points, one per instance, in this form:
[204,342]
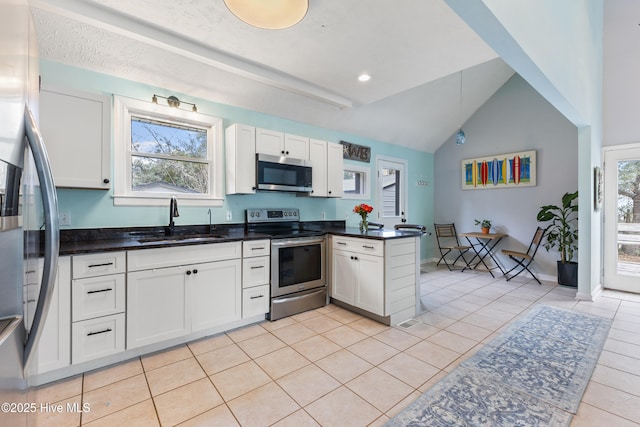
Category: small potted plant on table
[484,224]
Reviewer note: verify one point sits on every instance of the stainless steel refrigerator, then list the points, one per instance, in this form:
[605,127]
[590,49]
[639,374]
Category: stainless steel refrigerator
[28,210]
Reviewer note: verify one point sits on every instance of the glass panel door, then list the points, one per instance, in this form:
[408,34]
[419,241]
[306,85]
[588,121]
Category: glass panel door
[392,192]
[622,219]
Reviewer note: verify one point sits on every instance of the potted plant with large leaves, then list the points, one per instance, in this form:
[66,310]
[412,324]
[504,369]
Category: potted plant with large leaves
[563,234]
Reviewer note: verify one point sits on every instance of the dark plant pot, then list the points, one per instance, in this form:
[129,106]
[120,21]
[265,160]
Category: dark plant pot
[568,274]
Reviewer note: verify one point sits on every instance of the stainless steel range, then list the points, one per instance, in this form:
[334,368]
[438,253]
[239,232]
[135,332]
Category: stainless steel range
[298,267]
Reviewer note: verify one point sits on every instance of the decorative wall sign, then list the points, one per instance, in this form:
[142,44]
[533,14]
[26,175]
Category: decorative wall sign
[500,171]
[357,152]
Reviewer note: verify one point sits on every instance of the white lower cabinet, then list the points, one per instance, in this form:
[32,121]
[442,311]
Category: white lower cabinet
[214,293]
[54,347]
[378,276]
[358,280]
[168,301]
[255,301]
[255,277]
[98,293]
[98,337]
[156,306]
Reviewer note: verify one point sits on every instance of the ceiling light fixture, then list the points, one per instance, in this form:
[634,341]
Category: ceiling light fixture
[364,77]
[174,102]
[269,15]
[460,138]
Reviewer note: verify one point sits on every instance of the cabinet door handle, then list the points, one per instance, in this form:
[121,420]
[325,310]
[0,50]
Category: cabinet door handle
[188,272]
[106,180]
[104,264]
[256,296]
[104,331]
[195,271]
[287,152]
[329,191]
[368,247]
[253,267]
[258,249]
[282,152]
[341,243]
[99,290]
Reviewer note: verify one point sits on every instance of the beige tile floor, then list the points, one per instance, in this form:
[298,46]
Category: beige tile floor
[331,367]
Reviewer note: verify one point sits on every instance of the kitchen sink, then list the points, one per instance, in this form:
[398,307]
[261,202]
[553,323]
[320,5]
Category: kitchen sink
[184,238]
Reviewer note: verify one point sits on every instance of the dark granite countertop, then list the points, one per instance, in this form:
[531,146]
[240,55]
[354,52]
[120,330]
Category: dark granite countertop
[82,241]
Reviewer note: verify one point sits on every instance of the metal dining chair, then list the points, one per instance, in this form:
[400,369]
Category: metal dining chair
[448,242]
[524,259]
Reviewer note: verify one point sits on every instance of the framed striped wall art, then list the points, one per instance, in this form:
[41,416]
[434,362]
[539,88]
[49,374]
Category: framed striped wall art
[500,171]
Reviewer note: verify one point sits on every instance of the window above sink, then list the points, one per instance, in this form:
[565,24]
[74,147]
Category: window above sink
[162,152]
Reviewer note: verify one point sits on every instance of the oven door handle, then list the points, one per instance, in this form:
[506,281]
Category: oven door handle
[298,241]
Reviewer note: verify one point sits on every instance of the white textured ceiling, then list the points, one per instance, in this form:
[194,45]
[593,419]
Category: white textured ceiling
[415,50]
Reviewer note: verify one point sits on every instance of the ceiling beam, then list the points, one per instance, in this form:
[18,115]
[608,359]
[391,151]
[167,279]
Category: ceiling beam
[111,20]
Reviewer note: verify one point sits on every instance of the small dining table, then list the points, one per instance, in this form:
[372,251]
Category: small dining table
[483,245]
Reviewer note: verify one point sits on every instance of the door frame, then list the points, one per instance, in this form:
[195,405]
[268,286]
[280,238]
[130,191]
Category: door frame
[611,278]
[404,189]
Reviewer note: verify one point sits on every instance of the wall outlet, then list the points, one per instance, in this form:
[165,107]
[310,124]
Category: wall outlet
[323,215]
[229,216]
[64,218]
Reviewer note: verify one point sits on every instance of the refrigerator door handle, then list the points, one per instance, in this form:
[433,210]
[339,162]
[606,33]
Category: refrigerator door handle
[52,233]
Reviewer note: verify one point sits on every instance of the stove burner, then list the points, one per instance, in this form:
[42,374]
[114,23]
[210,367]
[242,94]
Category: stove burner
[277,223]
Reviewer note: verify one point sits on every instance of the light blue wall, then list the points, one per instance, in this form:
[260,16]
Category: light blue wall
[94,208]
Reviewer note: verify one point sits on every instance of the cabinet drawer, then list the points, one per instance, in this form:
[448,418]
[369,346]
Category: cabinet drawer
[255,301]
[362,246]
[255,271]
[98,264]
[253,248]
[147,259]
[96,338]
[98,296]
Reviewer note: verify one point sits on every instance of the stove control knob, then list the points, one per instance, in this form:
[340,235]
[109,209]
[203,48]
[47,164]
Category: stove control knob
[258,214]
[251,214]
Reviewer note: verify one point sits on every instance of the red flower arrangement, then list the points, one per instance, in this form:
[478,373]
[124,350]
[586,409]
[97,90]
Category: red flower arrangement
[363,210]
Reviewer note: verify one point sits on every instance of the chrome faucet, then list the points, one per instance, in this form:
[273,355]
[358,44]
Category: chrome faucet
[173,212]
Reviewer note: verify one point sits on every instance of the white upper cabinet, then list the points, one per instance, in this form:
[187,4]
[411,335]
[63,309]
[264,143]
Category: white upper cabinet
[335,170]
[296,146]
[326,158]
[281,144]
[76,128]
[240,147]
[318,158]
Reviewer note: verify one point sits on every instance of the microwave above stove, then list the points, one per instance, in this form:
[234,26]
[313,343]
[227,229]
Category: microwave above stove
[277,173]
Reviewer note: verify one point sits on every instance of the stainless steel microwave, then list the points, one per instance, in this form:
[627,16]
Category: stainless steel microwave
[283,173]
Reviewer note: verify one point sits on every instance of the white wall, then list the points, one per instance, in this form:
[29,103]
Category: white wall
[516,118]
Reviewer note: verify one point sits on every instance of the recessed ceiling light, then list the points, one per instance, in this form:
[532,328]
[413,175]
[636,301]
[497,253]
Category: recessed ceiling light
[364,77]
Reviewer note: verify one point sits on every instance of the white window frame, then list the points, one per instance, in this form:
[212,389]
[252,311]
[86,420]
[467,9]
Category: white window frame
[123,195]
[366,182]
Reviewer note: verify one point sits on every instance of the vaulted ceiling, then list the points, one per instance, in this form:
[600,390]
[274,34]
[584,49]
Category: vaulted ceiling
[418,51]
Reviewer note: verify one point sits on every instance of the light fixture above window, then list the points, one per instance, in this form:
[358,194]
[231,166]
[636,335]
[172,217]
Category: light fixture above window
[174,102]
[460,137]
[271,14]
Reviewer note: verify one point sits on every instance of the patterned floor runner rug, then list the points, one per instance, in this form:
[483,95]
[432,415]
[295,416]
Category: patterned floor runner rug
[532,374]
